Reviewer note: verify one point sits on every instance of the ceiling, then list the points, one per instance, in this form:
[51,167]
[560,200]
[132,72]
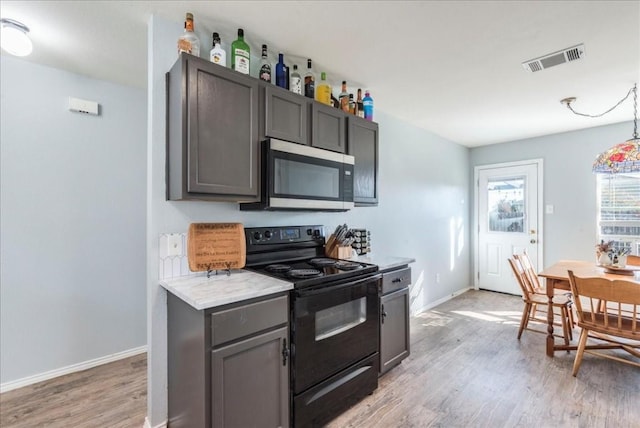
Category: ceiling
[451,67]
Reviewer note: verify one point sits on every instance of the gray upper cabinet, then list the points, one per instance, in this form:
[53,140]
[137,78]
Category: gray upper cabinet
[363,145]
[212,132]
[286,115]
[328,128]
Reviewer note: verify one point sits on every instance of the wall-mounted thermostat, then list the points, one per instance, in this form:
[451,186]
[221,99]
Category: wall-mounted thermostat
[83,106]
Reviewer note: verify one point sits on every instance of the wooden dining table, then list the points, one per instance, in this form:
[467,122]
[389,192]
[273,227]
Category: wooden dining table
[557,277]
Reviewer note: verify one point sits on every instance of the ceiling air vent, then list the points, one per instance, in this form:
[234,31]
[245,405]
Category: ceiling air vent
[573,53]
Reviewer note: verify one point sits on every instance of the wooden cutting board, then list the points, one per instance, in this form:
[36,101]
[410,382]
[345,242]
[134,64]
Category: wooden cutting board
[212,246]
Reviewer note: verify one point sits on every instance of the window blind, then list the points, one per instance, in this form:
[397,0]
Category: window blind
[619,210]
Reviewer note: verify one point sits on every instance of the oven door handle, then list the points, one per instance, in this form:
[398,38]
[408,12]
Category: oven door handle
[330,288]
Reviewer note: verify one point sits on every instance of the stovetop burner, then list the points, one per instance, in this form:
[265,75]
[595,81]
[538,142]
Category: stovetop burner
[278,268]
[303,273]
[322,261]
[345,265]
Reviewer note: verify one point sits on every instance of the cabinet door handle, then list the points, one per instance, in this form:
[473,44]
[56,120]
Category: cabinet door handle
[384,314]
[395,281]
[285,352]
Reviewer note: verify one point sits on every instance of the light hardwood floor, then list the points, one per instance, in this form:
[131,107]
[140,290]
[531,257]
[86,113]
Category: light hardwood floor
[466,369]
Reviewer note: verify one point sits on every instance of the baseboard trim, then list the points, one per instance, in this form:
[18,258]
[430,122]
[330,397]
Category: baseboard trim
[441,301]
[147,424]
[29,380]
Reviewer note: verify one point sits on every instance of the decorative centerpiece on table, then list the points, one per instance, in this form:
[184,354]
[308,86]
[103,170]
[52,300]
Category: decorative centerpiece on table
[603,249]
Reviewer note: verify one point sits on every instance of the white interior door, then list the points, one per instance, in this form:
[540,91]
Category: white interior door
[507,213]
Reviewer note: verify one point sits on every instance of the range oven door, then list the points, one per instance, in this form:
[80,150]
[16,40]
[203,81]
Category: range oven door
[333,328]
[303,177]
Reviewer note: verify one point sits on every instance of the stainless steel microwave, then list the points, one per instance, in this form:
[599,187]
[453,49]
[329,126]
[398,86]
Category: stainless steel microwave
[298,177]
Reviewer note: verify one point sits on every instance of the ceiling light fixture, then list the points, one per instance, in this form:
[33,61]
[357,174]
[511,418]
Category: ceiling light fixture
[623,157]
[14,38]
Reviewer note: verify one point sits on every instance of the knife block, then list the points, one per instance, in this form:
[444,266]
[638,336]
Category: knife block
[339,252]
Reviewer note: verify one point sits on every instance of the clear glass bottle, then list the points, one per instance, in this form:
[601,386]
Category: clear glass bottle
[343,98]
[217,55]
[189,42]
[265,66]
[323,90]
[282,79]
[295,81]
[367,104]
[240,54]
[309,81]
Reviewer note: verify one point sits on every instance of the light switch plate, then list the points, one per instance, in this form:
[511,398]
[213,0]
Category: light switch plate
[174,244]
[549,209]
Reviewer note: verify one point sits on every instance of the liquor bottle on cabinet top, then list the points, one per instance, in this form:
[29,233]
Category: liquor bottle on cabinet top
[295,82]
[240,54]
[323,90]
[281,73]
[344,97]
[265,66]
[217,55]
[367,103]
[352,104]
[189,42]
[359,106]
[309,81]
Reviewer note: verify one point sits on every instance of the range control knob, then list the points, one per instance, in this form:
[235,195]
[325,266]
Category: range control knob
[309,232]
[316,233]
[257,236]
[267,234]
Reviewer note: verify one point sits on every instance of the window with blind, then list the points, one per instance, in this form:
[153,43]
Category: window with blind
[619,210]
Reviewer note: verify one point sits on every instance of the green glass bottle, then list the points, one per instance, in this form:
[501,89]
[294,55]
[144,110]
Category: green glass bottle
[240,54]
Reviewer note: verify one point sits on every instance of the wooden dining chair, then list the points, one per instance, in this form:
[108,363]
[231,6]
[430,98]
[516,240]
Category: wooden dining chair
[534,303]
[536,287]
[618,326]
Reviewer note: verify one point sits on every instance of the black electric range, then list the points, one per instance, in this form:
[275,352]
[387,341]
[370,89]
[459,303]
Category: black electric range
[296,254]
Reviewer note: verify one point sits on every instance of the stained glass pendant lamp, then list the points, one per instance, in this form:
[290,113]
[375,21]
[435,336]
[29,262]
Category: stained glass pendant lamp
[623,157]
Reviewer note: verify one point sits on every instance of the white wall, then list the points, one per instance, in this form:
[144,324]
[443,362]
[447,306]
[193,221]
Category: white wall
[569,185]
[423,211]
[72,221]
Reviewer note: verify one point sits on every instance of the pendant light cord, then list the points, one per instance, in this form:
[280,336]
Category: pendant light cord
[568,102]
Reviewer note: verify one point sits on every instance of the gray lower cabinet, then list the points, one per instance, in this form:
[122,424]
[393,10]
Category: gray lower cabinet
[212,132]
[394,318]
[285,115]
[328,128]
[363,145]
[228,367]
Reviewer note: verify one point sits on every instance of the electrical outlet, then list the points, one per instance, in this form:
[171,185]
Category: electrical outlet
[174,244]
[437,278]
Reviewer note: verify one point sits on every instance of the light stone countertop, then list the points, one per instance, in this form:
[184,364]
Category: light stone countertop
[384,262]
[204,293]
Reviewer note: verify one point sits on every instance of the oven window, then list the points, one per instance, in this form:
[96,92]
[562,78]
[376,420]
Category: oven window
[306,179]
[336,319]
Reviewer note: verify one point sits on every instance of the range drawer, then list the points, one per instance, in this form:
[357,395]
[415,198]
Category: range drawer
[244,320]
[395,280]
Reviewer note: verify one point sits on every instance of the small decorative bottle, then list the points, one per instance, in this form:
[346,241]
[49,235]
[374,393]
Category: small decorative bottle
[265,66]
[352,105]
[309,82]
[295,81]
[189,42]
[367,105]
[217,54]
[240,54]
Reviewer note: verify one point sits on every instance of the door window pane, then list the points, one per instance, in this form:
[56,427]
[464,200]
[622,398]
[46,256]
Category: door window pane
[506,204]
[336,319]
